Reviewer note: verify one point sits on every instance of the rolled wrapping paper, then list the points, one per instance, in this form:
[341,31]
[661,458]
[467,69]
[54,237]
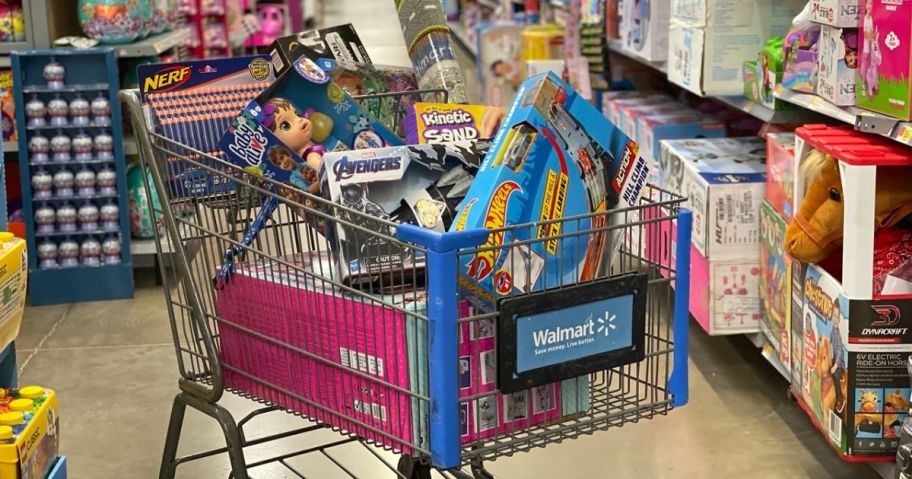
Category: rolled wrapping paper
[430,47]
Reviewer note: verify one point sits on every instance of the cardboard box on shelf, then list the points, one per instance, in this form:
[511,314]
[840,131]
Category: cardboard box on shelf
[837,62]
[837,13]
[644,28]
[709,40]
[724,180]
[885,52]
[780,171]
[775,285]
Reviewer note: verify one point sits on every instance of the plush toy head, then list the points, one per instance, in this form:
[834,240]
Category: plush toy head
[817,228]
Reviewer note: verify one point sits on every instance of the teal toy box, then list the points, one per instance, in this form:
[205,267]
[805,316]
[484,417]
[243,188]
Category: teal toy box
[555,156]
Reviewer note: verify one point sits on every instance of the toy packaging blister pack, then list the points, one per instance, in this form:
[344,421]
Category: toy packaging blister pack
[837,62]
[340,43]
[885,66]
[554,156]
[194,103]
[285,131]
[359,79]
[417,184]
[444,122]
[775,282]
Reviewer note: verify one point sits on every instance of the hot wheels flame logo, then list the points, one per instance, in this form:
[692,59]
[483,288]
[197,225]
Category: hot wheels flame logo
[482,264]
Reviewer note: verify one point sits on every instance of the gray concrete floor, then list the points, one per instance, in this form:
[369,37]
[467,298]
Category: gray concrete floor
[113,365]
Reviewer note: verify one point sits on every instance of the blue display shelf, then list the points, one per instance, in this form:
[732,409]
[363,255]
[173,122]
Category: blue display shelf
[59,471]
[88,73]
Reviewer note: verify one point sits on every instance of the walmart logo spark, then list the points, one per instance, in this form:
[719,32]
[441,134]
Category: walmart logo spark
[606,324]
[587,330]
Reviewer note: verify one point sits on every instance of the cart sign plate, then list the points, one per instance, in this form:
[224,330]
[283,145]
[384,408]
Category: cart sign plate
[568,332]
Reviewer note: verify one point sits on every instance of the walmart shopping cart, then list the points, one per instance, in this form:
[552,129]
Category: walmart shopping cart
[401,362]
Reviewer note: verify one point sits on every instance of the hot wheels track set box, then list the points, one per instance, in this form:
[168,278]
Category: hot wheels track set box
[554,156]
[285,131]
[417,184]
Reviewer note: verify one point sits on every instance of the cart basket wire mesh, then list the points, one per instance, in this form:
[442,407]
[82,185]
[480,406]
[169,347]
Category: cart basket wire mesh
[400,358]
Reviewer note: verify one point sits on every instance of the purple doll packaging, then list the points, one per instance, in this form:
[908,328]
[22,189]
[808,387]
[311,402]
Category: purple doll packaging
[885,67]
[837,62]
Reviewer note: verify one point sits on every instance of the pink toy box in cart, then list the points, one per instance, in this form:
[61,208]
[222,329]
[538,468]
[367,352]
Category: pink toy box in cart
[334,375]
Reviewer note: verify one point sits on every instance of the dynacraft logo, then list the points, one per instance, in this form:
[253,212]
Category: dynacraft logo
[482,264]
[888,315]
[346,168]
[167,79]
[587,332]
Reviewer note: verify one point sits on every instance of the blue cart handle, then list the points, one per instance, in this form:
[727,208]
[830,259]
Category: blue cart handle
[678,383]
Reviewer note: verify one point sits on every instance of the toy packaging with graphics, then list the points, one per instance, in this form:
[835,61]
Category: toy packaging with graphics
[284,133]
[417,184]
[854,382]
[443,122]
[554,156]
[886,57]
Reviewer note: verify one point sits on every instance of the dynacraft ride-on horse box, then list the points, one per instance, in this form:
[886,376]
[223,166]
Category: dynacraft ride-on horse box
[855,335]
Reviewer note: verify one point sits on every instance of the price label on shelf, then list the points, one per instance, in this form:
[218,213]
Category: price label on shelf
[905,134]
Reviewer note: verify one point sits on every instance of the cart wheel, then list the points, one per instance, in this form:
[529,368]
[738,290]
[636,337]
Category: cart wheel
[412,468]
[480,472]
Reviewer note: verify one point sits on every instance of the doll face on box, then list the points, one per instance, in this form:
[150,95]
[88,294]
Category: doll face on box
[292,129]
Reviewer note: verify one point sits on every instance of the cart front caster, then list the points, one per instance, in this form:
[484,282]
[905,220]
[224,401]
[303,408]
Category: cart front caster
[480,472]
[412,468]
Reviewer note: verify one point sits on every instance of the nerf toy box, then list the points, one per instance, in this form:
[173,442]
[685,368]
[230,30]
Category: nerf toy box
[554,156]
[29,437]
[780,169]
[724,180]
[417,184]
[340,42]
[194,103]
[285,131]
[775,284]
[444,122]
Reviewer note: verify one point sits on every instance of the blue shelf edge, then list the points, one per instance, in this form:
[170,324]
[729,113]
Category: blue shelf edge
[86,283]
[59,471]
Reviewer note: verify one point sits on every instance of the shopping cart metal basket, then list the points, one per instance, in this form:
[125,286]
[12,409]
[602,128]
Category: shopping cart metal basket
[402,363]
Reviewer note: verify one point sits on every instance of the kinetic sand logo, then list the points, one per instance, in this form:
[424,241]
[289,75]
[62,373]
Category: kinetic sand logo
[442,126]
[249,143]
[482,264]
[818,299]
[167,79]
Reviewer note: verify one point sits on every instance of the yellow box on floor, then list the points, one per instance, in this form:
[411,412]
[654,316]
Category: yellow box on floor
[13,280]
[28,432]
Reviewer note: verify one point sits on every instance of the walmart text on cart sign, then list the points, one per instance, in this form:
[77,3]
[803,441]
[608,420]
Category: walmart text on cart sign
[564,335]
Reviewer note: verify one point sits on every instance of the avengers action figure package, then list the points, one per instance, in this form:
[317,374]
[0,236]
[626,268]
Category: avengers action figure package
[555,156]
[418,184]
[285,131]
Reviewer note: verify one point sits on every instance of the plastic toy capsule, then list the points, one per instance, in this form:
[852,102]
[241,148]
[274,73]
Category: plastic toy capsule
[21,405]
[31,392]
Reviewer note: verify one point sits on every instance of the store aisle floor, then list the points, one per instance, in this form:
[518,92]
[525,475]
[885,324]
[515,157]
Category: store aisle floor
[113,366]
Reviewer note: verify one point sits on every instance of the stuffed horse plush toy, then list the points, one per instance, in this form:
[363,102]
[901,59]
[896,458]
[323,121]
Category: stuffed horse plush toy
[817,228]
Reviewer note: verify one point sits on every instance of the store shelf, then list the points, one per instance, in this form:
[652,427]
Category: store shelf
[10,146]
[95,232]
[765,114]
[154,45]
[5,61]
[93,161]
[65,88]
[97,196]
[862,120]
[460,36]
[145,247]
[67,127]
[489,3]
[618,47]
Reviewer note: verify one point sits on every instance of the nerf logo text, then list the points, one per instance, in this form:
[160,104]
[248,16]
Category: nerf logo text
[249,144]
[481,266]
[167,79]
[346,168]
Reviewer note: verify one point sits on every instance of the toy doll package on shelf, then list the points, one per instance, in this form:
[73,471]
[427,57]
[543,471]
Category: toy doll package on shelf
[555,156]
